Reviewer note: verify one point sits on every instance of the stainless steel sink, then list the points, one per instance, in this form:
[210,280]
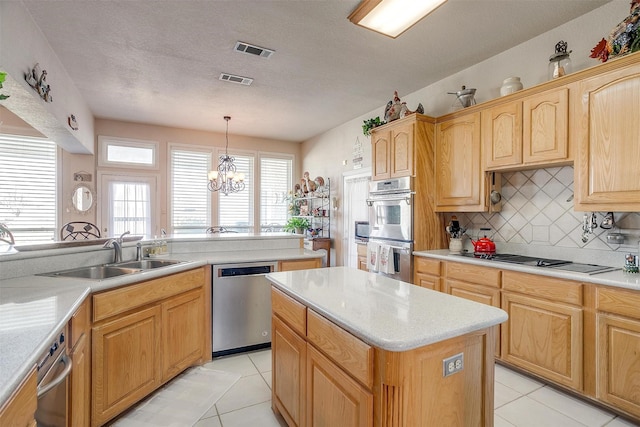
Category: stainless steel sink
[147,264]
[95,272]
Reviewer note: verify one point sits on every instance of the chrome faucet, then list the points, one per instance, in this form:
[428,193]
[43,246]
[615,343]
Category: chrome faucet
[116,244]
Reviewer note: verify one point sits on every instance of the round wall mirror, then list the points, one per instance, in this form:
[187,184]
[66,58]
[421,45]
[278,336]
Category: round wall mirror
[82,198]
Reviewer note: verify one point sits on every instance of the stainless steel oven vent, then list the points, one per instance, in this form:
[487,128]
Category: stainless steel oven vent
[250,49]
[226,77]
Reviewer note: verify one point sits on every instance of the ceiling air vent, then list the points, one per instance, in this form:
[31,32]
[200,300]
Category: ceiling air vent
[250,49]
[235,79]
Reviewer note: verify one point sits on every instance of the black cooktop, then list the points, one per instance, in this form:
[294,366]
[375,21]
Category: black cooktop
[557,264]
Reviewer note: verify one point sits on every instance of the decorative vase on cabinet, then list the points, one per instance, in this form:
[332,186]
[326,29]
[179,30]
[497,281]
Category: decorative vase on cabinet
[510,85]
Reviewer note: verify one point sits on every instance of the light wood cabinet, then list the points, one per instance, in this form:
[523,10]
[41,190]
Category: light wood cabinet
[460,183]
[544,333]
[426,273]
[362,257]
[143,335]
[19,409]
[606,131]
[80,380]
[527,133]
[618,348]
[299,264]
[393,150]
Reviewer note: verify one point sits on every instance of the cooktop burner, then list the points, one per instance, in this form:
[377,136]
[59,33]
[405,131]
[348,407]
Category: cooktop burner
[557,264]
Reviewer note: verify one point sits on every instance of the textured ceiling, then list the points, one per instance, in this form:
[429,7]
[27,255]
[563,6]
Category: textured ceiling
[158,62]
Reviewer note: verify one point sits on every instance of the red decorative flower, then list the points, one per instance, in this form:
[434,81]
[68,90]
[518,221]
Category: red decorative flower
[601,51]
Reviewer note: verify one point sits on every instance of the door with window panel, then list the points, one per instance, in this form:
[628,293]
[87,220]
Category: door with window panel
[130,203]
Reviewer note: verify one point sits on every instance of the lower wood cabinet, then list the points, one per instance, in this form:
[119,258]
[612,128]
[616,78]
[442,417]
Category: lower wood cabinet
[362,257]
[544,333]
[299,264]
[426,273]
[80,354]
[143,335]
[19,409]
[333,398]
[618,349]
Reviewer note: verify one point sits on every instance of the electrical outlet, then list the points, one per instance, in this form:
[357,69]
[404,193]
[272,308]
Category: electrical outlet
[452,364]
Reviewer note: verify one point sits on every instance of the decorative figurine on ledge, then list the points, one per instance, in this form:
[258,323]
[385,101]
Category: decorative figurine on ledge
[624,38]
[37,80]
[397,109]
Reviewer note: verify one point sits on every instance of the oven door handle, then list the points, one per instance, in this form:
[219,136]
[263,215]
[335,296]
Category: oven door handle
[407,199]
[42,390]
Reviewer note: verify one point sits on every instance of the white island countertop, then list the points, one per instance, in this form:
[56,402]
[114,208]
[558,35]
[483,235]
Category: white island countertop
[383,312]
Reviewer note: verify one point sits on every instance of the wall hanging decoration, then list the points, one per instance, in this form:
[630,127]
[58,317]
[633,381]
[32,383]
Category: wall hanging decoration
[2,95]
[37,79]
[73,123]
[623,39]
[559,61]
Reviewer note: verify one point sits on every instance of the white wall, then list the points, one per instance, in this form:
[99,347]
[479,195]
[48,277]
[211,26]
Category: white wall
[325,153]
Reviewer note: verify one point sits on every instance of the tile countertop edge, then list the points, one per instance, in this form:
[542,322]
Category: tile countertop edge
[394,335]
[9,383]
[616,278]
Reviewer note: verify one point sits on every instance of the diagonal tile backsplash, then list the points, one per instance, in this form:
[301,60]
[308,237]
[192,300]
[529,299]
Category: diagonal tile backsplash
[537,209]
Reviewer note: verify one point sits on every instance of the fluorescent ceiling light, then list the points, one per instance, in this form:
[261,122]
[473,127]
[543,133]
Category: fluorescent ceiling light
[392,17]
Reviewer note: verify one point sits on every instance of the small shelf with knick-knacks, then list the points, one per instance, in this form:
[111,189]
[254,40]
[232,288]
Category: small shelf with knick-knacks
[312,201]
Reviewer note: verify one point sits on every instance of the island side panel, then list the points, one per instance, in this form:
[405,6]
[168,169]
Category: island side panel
[410,389]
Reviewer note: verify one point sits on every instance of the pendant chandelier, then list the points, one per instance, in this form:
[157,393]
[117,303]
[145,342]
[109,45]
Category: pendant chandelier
[225,179]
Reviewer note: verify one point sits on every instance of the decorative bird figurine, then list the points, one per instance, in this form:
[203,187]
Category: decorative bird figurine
[392,111]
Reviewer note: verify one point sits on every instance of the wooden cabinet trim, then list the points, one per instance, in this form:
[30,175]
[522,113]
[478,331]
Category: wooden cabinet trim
[559,290]
[347,351]
[80,322]
[121,300]
[290,311]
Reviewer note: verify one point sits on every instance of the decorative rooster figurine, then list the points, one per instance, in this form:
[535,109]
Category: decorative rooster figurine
[396,109]
[624,38]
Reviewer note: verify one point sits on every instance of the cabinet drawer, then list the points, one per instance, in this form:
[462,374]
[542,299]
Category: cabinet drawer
[290,311]
[473,274]
[626,303]
[299,264]
[120,300]
[347,351]
[558,290]
[427,266]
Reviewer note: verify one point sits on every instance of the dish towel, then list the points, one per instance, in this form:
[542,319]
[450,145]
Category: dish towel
[373,255]
[385,259]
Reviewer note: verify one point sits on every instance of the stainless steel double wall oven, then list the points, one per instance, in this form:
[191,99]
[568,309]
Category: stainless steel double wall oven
[391,222]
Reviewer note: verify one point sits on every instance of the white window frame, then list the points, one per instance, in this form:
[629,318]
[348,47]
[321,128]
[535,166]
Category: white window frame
[105,141]
[270,155]
[186,147]
[103,187]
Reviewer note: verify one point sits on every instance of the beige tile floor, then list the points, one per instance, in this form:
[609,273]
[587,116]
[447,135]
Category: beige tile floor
[519,400]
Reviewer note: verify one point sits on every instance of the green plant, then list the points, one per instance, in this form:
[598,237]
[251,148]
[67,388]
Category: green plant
[370,124]
[296,223]
[2,77]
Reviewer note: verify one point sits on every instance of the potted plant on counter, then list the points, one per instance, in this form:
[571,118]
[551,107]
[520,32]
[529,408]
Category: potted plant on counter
[296,225]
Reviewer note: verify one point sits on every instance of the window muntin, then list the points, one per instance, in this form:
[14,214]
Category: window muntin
[28,204]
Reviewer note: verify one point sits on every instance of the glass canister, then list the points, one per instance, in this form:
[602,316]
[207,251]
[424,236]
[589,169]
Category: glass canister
[559,62]
[510,85]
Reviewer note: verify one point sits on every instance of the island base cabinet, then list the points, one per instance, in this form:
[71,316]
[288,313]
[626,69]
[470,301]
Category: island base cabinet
[333,398]
[126,362]
[618,370]
[288,372]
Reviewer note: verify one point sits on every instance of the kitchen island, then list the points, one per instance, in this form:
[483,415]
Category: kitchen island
[381,351]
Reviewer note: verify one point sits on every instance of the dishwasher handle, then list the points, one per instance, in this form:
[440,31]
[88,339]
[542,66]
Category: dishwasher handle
[245,271]
[42,390]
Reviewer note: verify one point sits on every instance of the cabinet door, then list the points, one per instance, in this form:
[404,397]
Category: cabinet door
[380,147]
[618,362]
[80,394]
[502,135]
[289,355]
[544,338]
[546,127]
[401,151]
[334,398]
[183,329]
[19,409]
[126,362]
[460,185]
[607,133]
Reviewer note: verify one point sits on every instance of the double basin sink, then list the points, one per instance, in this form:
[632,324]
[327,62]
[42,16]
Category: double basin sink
[107,271]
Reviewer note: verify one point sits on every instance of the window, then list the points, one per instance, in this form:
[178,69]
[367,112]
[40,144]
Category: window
[28,188]
[275,184]
[190,198]
[235,210]
[130,153]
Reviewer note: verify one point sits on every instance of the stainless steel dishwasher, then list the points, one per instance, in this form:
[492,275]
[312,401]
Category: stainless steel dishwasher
[241,318]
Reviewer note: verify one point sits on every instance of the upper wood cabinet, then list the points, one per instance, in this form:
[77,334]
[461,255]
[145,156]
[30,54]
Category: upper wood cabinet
[393,149]
[460,184]
[532,132]
[606,130]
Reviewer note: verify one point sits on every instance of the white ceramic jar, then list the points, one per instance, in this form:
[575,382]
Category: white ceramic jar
[455,245]
[510,85]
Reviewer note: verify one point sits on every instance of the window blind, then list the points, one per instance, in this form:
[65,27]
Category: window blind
[275,184]
[190,198]
[235,210]
[28,187]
